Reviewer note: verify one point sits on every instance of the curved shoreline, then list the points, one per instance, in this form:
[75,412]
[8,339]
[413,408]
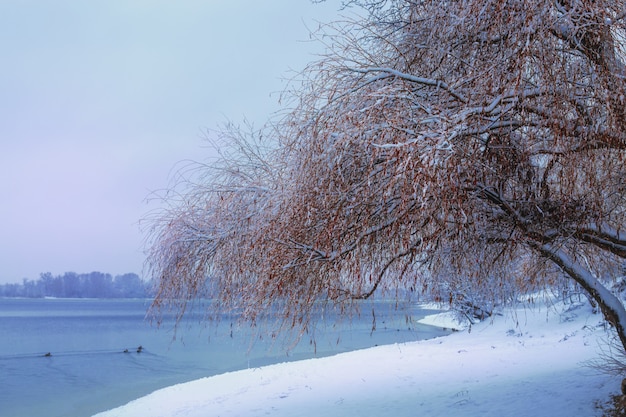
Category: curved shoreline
[496,369]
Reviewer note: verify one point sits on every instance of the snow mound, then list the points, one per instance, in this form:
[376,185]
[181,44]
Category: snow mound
[527,362]
[446,319]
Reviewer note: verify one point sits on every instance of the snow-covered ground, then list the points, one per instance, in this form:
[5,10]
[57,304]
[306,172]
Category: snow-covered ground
[527,362]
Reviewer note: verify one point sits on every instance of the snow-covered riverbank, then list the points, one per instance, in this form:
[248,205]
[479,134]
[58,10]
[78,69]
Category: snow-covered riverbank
[527,362]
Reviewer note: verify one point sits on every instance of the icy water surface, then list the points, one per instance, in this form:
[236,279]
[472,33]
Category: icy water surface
[94,364]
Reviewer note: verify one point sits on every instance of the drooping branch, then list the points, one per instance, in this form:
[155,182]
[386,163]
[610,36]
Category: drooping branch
[474,135]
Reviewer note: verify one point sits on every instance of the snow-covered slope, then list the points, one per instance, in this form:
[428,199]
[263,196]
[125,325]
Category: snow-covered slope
[527,362]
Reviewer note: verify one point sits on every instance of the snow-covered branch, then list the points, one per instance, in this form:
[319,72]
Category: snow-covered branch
[390,72]
[605,237]
[611,306]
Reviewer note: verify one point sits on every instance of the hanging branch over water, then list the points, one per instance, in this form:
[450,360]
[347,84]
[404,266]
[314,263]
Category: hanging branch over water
[466,152]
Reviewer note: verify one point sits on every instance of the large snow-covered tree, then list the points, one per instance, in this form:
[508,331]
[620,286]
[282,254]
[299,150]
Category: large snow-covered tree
[445,147]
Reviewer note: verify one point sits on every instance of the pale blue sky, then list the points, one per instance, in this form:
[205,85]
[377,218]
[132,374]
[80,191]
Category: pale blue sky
[100,99]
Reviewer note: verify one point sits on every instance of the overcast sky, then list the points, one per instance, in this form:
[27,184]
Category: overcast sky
[100,99]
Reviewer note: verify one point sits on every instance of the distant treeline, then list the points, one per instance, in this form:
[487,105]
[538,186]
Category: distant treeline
[73,285]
